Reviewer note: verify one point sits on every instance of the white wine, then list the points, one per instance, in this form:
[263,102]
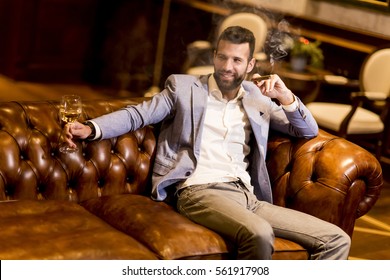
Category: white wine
[70,110]
[70,116]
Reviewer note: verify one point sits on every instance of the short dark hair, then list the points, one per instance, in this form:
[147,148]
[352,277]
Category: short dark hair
[239,35]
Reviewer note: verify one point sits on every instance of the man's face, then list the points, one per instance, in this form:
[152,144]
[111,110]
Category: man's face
[231,65]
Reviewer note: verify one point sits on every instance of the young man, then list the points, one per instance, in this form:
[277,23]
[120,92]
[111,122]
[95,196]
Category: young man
[212,148]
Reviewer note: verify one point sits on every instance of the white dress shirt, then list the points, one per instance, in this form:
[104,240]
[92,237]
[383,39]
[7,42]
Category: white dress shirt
[225,138]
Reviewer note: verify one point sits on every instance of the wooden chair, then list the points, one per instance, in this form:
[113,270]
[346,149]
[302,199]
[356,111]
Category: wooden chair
[366,120]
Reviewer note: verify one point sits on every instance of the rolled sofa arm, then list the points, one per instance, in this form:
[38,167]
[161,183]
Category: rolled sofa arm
[327,176]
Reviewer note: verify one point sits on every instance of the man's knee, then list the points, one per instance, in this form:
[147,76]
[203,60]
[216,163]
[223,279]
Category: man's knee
[264,234]
[335,247]
[255,241]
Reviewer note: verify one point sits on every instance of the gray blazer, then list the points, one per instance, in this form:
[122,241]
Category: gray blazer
[181,109]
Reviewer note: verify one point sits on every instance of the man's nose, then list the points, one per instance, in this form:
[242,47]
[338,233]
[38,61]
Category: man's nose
[228,65]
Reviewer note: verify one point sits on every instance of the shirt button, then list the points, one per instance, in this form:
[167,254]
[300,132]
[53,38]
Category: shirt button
[188,173]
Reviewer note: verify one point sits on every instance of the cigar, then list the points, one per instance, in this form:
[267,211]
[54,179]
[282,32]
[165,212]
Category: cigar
[261,78]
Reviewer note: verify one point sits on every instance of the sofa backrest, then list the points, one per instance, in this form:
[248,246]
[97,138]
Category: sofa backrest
[31,166]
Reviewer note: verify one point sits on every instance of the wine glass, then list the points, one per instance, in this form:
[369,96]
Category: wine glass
[70,111]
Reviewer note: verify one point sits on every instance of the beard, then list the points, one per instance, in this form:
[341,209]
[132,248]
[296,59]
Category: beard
[228,85]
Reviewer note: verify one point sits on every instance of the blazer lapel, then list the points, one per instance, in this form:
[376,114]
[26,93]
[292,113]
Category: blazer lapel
[199,93]
[255,115]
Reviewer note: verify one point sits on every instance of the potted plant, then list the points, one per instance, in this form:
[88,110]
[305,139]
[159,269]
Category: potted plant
[304,52]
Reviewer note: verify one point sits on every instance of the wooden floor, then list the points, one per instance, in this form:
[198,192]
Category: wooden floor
[371,237]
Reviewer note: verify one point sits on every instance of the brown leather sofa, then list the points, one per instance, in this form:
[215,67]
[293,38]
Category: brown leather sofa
[95,204]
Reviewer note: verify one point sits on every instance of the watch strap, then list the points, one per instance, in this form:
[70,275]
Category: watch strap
[93,130]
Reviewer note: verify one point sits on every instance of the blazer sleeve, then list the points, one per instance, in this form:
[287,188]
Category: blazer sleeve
[298,123]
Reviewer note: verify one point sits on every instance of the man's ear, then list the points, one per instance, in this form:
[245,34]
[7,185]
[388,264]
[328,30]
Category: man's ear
[251,65]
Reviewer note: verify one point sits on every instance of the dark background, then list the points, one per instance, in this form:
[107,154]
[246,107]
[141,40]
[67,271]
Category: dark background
[98,41]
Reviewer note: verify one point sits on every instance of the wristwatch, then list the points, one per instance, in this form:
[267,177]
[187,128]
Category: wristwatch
[93,130]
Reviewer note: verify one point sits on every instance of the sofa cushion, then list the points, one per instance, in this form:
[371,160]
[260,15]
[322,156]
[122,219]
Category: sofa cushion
[287,250]
[158,226]
[167,233]
[61,230]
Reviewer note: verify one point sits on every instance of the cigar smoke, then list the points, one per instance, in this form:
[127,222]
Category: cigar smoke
[279,42]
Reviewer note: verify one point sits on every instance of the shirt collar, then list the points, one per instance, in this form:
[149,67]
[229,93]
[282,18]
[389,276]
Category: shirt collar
[216,92]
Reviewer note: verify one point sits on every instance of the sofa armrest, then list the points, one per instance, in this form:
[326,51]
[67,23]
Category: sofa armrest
[327,176]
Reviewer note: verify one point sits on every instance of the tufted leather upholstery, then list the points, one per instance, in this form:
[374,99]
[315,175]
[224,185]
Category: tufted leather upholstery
[95,204]
[327,177]
[32,167]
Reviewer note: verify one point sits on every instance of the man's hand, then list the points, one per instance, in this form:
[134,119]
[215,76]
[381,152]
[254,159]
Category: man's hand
[274,87]
[75,130]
